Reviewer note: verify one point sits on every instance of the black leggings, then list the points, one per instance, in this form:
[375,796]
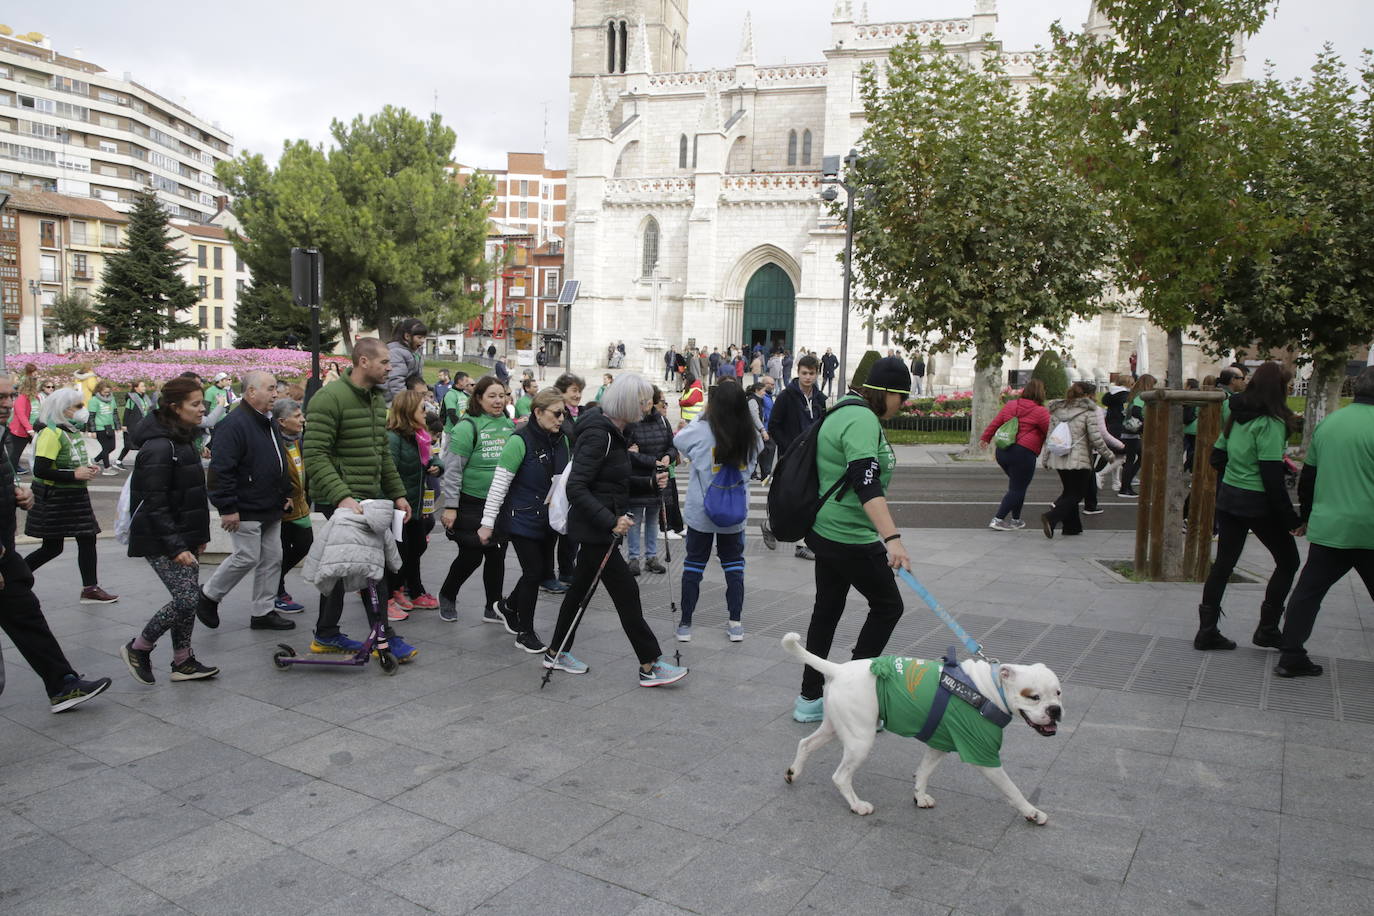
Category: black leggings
[624,592]
[536,558]
[1074,483]
[840,567]
[295,545]
[127,447]
[106,438]
[85,556]
[491,558]
[1232,530]
[1131,464]
[413,545]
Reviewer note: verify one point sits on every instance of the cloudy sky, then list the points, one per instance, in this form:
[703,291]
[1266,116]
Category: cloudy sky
[274,71]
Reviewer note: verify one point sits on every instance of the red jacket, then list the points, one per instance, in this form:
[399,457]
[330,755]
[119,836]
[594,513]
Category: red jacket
[19,417]
[1033,423]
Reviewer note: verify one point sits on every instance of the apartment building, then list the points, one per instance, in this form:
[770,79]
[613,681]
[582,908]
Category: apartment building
[219,273]
[67,126]
[530,198]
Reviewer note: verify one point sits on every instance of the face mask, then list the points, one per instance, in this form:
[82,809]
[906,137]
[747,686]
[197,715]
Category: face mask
[80,417]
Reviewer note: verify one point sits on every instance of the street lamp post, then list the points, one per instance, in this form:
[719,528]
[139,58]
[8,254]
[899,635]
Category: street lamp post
[831,178]
[35,291]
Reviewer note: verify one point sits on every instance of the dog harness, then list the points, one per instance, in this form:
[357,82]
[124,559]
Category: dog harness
[913,701]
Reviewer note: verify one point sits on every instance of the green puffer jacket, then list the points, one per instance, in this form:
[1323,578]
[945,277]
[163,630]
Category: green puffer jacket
[345,448]
[405,453]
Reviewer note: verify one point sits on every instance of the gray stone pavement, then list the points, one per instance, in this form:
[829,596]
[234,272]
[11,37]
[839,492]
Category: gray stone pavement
[1178,784]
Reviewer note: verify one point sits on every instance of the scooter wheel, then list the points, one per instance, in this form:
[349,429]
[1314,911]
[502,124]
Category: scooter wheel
[279,658]
[286,650]
[387,661]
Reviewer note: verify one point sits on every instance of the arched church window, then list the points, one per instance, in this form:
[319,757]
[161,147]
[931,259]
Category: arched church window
[682,152]
[617,45]
[649,257]
[610,47]
[791,147]
[806,148]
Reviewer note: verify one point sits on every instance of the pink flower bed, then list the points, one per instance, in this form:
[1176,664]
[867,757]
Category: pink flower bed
[125,367]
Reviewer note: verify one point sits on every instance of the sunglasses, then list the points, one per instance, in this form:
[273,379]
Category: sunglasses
[49,387]
[556,413]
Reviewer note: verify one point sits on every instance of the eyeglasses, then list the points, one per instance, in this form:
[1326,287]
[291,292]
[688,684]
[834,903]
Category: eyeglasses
[49,387]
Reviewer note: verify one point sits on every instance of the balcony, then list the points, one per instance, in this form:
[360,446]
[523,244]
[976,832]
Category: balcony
[668,190]
[771,187]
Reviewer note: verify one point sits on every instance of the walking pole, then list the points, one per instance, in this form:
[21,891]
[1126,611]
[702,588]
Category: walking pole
[668,555]
[587,599]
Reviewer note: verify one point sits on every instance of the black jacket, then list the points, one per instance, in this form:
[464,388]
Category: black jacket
[248,467]
[655,439]
[8,504]
[167,500]
[602,481]
[790,416]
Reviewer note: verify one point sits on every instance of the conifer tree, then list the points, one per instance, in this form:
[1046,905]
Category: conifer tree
[266,317]
[141,289]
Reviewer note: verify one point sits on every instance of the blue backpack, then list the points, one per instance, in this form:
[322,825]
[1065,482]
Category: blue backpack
[727,497]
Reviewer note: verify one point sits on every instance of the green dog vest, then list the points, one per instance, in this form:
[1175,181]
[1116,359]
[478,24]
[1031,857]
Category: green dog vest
[906,689]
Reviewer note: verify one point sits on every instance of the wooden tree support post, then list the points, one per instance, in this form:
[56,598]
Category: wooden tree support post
[1161,550]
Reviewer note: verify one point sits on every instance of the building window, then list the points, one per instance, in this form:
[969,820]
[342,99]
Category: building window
[204,317]
[219,319]
[791,147]
[551,284]
[78,233]
[47,233]
[200,256]
[48,268]
[219,287]
[649,259]
[806,147]
[219,342]
[682,152]
[524,188]
[617,43]
[238,262]
[240,286]
[219,252]
[109,236]
[204,288]
[80,269]
[524,210]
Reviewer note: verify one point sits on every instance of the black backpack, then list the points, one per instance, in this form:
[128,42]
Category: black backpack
[794,496]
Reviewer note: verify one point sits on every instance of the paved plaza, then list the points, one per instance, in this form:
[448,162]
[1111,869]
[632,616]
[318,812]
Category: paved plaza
[1180,783]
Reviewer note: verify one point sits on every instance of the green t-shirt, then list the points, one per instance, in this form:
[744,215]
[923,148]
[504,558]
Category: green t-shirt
[480,442]
[522,406]
[103,413]
[852,434]
[66,450]
[1342,450]
[1262,439]
[457,401]
[214,396]
[906,688]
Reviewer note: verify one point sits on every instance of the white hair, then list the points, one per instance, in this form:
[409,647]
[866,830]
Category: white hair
[55,405]
[624,399]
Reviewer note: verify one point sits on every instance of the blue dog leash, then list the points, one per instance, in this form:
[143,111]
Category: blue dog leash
[969,642]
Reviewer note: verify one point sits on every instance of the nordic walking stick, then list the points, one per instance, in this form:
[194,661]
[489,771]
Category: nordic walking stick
[586,600]
[668,556]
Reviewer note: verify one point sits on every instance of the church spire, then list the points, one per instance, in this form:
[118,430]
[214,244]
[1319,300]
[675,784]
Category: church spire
[639,50]
[746,42]
[596,118]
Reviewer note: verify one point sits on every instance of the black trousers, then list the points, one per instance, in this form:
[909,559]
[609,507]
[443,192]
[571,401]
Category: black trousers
[413,545]
[624,592]
[1324,568]
[16,445]
[840,567]
[106,438]
[1131,466]
[21,617]
[1232,531]
[1073,488]
[51,548]
[295,545]
[492,559]
[536,560]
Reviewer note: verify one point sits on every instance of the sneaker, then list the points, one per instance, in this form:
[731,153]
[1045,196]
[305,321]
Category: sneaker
[661,675]
[651,564]
[634,566]
[1128,494]
[117,464]
[425,602]
[566,579]
[499,612]
[768,540]
[108,472]
[394,611]
[448,609]
[553,586]
[998,524]
[74,691]
[684,633]
[1098,511]
[564,662]
[207,610]
[193,670]
[804,710]
[530,642]
[1015,524]
[270,621]
[287,605]
[405,653]
[336,644]
[94,594]
[140,662]
[803,553]
[402,600]
[735,630]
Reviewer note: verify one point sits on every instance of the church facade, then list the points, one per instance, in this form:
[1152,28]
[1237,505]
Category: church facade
[694,213]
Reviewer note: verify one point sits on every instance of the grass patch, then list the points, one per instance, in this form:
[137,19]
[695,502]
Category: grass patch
[1298,405]
[432,367]
[921,437]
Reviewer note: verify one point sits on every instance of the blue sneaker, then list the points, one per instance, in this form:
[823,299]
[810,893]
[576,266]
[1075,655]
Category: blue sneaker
[805,710]
[661,675]
[735,630]
[405,653]
[448,609]
[553,586]
[684,633]
[336,644]
[287,605]
[565,662]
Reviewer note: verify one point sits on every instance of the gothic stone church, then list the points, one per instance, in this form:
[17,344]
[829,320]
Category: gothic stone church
[694,210]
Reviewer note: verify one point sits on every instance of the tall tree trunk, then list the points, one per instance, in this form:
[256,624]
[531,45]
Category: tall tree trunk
[987,398]
[346,335]
[1173,375]
[1323,395]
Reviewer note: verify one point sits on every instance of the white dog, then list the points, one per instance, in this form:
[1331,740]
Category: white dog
[856,698]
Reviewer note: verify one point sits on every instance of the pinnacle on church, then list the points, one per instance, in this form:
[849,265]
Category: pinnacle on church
[596,119]
[985,7]
[639,52]
[709,120]
[844,11]
[746,42]
[863,13]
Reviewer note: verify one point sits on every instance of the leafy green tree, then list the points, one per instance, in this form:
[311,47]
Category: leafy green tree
[1314,292]
[1050,370]
[399,236]
[267,317]
[72,315]
[141,288]
[970,228]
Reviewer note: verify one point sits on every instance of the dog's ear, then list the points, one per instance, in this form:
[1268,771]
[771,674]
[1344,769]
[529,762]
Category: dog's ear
[1006,672]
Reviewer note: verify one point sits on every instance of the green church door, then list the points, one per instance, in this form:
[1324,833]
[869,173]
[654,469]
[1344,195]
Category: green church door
[769,308]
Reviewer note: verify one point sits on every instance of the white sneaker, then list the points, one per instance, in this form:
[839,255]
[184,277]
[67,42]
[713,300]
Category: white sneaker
[735,630]
[998,524]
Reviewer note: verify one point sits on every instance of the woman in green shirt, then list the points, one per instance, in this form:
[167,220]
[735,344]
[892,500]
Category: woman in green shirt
[854,538]
[1252,497]
[474,451]
[104,421]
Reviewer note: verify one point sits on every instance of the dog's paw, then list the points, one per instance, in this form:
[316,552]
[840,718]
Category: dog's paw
[861,807]
[790,775]
[1036,817]
[923,800]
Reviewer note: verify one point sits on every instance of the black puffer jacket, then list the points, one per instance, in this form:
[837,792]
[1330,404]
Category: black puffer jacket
[655,439]
[170,510]
[602,481]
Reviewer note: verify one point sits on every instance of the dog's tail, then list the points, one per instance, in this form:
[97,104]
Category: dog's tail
[793,644]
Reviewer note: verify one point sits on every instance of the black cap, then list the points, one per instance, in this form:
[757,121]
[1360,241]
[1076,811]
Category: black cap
[889,374]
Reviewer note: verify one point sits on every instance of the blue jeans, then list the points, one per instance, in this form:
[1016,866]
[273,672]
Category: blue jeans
[646,524]
[730,549]
[1019,464]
